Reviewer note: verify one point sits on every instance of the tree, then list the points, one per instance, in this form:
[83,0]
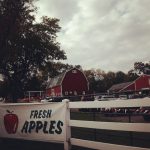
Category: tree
[120,77]
[109,79]
[25,46]
[141,68]
[53,69]
[131,76]
[95,79]
[3,89]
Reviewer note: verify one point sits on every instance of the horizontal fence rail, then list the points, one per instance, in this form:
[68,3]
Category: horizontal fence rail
[102,146]
[112,103]
[136,127]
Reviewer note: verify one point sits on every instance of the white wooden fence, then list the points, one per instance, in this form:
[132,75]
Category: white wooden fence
[118,126]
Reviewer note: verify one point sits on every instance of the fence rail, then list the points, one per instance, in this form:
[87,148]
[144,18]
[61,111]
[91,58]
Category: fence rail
[102,146]
[118,126]
[136,127]
[112,103]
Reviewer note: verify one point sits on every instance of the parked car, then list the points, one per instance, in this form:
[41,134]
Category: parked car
[47,99]
[52,99]
[97,98]
[107,97]
[104,98]
[123,97]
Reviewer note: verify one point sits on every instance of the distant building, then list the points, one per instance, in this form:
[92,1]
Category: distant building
[69,83]
[141,84]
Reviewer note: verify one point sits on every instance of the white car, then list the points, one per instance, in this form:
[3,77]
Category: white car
[108,97]
[47,99]
[123,97]
[105,98]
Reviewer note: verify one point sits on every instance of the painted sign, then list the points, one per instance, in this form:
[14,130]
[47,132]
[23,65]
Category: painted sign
[43,122]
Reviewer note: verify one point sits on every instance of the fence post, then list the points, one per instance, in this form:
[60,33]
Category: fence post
[67,132]
[130,133]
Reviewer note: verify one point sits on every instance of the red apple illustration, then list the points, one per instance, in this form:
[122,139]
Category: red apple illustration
[11,122]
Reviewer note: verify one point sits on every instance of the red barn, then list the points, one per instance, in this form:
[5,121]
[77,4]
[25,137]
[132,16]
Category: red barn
[69,83]
[141,84]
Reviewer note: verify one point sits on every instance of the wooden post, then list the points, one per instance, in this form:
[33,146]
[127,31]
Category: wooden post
[67,132]
[130,133]
[94,119]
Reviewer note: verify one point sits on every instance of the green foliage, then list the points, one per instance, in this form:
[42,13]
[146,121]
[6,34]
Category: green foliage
[109,79]
[3,89]
[25,46]
[140,67]
[120,77]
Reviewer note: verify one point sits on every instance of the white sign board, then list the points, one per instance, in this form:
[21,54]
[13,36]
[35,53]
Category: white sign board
[42,122]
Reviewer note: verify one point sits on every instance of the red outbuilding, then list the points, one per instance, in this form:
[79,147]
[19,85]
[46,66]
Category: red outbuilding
[69,83]
[141,84]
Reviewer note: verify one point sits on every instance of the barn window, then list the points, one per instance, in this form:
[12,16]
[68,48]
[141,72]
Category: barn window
[70,92]
[74,71]
[66,93]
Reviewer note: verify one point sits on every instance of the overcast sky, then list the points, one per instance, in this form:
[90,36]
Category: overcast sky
[102,34]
